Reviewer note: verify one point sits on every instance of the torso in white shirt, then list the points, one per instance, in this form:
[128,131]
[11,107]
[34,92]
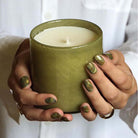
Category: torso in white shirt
[110,15]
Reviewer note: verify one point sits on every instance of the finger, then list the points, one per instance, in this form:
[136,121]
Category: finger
[11,81]
[120,78]
[115,56]
[32,113]
[33,98]
[24,46]
[67,117]
[29,97]
[87,112]
[110,92]
[98,102]
[21,71]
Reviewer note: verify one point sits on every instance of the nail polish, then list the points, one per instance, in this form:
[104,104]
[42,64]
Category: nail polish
[56,115]
[109,55]
[88,85]
[50,100]
[85,109]
[92,69]
[64,119]
[99,59]
[24,81]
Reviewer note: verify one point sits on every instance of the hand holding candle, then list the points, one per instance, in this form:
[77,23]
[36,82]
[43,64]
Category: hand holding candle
[20,82]
[110,85]
[118,96]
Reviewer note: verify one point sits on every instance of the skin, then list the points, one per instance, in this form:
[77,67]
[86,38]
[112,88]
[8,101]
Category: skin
[116,92]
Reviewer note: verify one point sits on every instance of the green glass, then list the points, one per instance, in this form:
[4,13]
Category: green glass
[61,70]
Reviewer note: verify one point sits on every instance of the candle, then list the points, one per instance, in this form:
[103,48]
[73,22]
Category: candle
[65,36]
[60,50]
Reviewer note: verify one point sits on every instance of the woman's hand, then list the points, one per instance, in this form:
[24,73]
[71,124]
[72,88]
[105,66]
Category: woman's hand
[20,83]
[110,85]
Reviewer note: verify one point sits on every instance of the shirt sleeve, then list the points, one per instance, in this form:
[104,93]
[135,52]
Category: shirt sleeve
[8,46]
[130,51]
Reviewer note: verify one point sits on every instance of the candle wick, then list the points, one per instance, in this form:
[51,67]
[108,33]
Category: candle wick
[67,40]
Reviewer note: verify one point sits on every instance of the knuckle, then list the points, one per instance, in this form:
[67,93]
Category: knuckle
[113,96]
[28,116]
[122,105]
[22,99]
[122,80]
[122,102]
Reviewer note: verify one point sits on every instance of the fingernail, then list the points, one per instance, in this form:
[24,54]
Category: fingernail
[55,115]
[99,59]
[24,81]
[50,100]
[91,68]
[85,109]
[88,85]
[109,55]
[64,119]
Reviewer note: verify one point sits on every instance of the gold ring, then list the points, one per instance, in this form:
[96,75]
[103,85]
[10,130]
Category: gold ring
[107,115]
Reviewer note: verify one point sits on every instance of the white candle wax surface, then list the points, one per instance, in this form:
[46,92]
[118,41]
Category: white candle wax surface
[66,36]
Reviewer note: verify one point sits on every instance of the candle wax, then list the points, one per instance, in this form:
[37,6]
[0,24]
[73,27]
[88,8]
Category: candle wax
[65,36]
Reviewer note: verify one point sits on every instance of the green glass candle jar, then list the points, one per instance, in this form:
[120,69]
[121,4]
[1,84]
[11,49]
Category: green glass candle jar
[61,70]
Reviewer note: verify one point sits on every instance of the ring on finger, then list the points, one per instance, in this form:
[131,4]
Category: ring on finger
[107,115]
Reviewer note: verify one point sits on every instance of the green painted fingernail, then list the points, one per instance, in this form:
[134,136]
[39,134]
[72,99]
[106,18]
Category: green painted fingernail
[99,59]
[64,119]
[109,55]
[91,68]
[56,115]
[85,109]
[24,81]
[88,85]
[50,100]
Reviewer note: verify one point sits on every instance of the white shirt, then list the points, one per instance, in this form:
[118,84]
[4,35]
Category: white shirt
[19,17]
[110,15]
